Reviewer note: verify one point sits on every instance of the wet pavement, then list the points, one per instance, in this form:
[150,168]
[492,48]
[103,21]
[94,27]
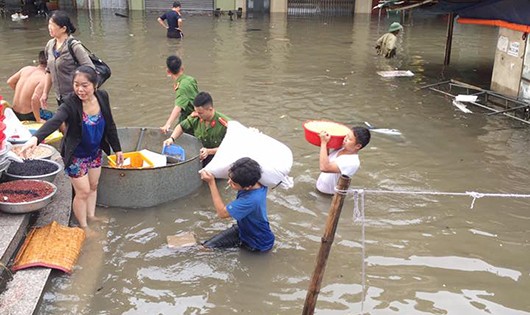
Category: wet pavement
[22,291]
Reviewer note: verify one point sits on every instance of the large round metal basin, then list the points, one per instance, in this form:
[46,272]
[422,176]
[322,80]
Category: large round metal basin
[29,206]
[148,187]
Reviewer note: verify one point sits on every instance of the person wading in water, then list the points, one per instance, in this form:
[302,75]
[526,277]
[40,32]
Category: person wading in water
[174,21]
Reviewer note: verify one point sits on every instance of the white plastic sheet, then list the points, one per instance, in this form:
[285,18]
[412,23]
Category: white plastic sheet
[466,98]
[395,73]
[14,128]
[157,159]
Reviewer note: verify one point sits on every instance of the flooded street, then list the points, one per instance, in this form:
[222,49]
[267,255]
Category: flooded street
[423,254]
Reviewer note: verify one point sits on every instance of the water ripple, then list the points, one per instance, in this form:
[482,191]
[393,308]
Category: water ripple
[447,262]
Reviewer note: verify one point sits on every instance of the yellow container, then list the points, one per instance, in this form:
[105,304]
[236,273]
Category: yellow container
[131,160]
[33,126]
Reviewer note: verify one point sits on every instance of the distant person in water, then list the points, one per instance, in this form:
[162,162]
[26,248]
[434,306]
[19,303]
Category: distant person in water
[42,8]
[386,44]
[173,18]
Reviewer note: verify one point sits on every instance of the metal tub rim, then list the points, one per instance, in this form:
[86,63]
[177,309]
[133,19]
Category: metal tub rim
[151,186]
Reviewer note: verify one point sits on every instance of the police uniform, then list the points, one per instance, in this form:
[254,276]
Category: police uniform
[209,133]
[185,91]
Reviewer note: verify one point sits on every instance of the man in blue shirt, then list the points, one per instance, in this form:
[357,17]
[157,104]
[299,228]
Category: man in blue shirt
[174,21]
[252,230]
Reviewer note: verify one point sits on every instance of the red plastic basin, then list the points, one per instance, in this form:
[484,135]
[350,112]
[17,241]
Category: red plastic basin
[337,131]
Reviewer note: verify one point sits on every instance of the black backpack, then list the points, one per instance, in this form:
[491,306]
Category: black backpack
[102,69]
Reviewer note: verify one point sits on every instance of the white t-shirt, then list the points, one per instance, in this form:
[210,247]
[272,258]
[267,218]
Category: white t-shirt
[348,165]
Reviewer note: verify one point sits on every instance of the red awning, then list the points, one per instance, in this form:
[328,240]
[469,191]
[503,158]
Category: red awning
[499,23]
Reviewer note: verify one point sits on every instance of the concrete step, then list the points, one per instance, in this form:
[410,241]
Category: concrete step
[22,291]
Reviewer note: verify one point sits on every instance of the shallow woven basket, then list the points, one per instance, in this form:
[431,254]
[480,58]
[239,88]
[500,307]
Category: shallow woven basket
[53,246]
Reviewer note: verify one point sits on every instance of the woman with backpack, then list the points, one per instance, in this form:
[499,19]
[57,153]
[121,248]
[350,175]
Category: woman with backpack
[61,63]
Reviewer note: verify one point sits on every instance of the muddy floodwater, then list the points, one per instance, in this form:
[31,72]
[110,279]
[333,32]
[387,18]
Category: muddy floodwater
[419,253]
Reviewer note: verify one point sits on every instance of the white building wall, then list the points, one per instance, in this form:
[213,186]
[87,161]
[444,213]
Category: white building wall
[508,64]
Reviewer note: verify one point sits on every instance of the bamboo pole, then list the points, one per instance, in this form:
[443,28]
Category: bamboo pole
[449,40]
[325,245]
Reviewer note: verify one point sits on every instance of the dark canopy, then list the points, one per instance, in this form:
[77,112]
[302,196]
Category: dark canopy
[512,11]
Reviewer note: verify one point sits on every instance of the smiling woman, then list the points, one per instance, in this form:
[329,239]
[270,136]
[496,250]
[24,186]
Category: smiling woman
[91,130]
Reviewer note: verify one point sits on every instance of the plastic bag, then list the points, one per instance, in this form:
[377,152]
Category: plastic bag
[15,130]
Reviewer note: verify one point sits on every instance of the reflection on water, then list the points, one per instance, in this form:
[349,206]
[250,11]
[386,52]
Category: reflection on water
[458,263]
[424,254]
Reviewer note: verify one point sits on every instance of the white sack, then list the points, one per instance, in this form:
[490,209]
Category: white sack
[274,157]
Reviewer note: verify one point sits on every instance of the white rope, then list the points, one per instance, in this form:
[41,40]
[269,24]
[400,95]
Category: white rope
[363,254]
[473,194]
[358,214]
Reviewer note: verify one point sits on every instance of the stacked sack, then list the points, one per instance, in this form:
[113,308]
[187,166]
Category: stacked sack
[274,157]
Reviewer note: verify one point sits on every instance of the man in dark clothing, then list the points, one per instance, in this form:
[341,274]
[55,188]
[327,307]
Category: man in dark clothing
[174,21]
[42,8]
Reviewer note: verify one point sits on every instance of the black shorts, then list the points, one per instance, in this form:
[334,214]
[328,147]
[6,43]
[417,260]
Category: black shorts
[227,239]
[174,34]
[28,116]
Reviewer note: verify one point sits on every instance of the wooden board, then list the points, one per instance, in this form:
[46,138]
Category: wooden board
[184,239]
